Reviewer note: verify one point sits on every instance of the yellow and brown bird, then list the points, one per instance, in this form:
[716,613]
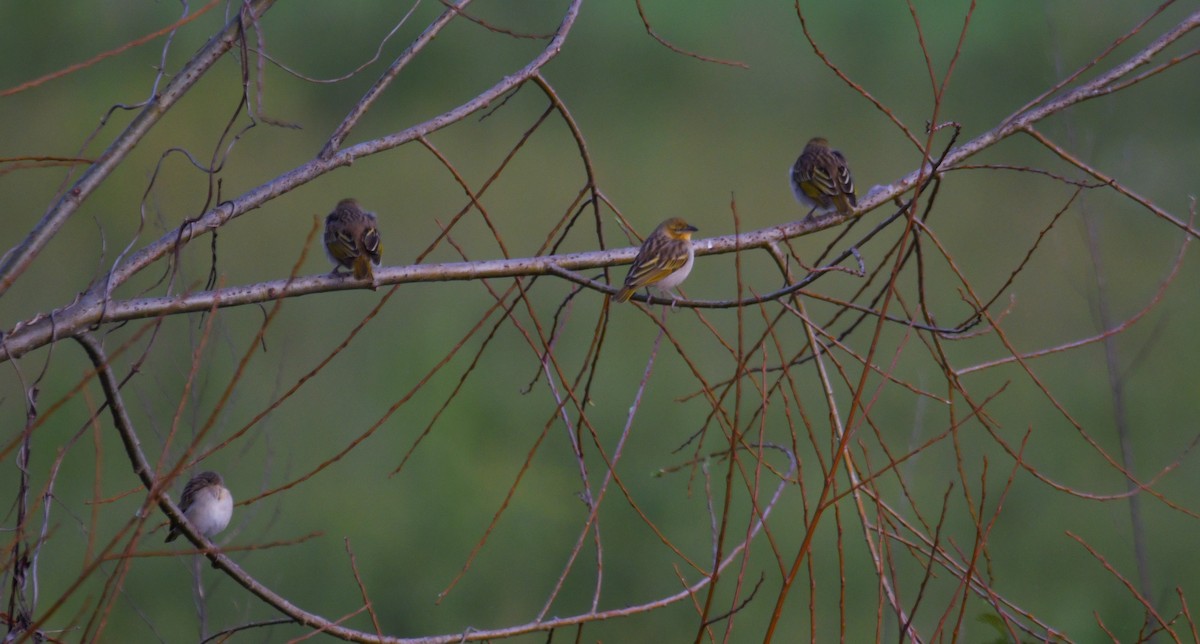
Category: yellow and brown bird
[352,239]
[664,260]
[206,503]
[821,179]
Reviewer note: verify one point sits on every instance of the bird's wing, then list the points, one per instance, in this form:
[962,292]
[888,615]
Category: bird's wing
[655,262]
[845,182]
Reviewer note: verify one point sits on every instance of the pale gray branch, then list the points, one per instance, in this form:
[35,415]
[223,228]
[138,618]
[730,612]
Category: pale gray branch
[1024,119]
[373,94]
[90,311]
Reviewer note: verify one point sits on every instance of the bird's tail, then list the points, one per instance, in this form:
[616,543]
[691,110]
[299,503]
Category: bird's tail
[362,268]
[845,203]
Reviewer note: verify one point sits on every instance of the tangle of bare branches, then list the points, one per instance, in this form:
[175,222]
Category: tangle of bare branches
[890,436]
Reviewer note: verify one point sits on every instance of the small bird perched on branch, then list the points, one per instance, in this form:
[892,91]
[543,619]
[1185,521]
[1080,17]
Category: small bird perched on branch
[664,260]
[821,179]
[206,503]
[352,239]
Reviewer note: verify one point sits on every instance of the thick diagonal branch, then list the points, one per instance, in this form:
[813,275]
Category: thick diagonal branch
[19,258]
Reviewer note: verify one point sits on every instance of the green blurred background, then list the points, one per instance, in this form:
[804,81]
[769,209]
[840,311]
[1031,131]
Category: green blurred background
[669,135]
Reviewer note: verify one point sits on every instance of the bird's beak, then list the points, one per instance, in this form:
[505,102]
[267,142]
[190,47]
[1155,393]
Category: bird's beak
[691,229]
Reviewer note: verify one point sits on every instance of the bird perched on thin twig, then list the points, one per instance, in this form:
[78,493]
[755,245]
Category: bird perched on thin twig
[821,179]
[352,239]
[664,260]
[206,503]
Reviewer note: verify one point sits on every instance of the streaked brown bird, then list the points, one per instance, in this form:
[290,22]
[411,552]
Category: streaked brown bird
[664,260]
[352,239]
[821,179]
[206,503]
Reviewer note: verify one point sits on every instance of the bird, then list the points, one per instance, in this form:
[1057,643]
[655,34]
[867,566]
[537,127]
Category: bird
[663,261]
[206,503]
[352,239]
[821,179]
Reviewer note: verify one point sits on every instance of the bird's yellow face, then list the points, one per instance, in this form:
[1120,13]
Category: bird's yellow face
[679,229]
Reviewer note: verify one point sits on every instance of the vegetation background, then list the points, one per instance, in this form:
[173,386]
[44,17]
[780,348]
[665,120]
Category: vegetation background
[666,134]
